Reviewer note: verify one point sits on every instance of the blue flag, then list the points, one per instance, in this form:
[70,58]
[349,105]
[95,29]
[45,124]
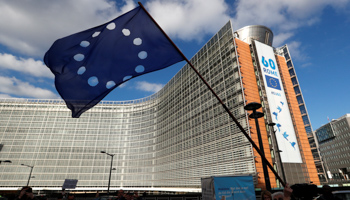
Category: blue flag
[90,64]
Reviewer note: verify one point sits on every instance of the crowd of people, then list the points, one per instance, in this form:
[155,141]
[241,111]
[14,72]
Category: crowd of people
[325,193]
[26,193]
[285,195]
[121,195]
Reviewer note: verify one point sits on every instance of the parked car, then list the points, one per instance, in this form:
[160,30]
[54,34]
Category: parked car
[342,194]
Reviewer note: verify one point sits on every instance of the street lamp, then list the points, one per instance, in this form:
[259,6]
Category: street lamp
[110,169]
[278,150]
[255,115]
[7,161]
[30,174]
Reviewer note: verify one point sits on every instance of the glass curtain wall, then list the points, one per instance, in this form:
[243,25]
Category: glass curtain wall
[170,139]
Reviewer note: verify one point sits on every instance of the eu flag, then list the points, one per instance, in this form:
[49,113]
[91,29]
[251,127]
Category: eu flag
[273,82]
[90,64]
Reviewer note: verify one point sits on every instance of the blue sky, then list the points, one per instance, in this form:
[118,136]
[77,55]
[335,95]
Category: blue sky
[317,33]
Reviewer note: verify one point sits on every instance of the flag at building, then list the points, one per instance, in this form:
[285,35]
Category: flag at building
[90,64]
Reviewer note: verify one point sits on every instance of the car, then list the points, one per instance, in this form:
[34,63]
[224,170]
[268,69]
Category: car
[342,194]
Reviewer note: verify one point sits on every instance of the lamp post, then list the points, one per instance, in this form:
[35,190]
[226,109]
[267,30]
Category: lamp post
[255,115]
[30,174]
[278,150]
[110,169]
[6,161]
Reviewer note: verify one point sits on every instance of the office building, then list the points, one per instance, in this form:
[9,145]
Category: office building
[284,51]
[334,144]
[173,138]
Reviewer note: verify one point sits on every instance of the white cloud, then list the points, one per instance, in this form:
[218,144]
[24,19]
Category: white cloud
[13,86]
[284,17]
[148,87]
[5,96]
[189,19]
[28,66]
[278,40]
[34,27]
[295,50]
[304,65]
[30,28]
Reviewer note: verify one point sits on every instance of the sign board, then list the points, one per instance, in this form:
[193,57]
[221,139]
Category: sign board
[207,188]
[285,133]
[70,184]
[228,188]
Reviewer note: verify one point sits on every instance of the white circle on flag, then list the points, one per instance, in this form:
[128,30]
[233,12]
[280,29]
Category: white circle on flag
[142,55]
[96,34]
[126,32]
[93,81]
[79,57]
[111,26]
[137,41]
[110,84]
[81,70]
[84,43]
[139,69]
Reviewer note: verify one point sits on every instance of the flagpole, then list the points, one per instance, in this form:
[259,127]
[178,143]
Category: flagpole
[221,102]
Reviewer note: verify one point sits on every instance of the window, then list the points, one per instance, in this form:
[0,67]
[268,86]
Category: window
[300,99]
[302,109]
[306,120]
[308,129]
[287,56]
[291,72]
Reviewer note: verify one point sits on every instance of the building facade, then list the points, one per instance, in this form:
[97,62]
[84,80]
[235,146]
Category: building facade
[284,51]
[167,141]
[333,139]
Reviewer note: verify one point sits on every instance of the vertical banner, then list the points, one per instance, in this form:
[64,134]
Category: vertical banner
[285,133]
[228,188]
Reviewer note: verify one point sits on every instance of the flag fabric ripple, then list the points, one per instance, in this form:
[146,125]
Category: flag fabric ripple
[90,64]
